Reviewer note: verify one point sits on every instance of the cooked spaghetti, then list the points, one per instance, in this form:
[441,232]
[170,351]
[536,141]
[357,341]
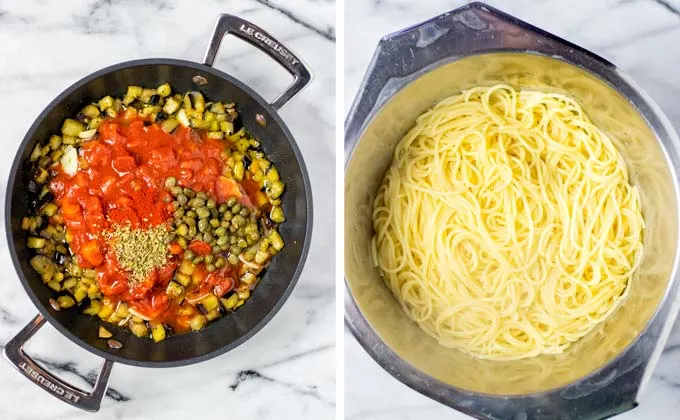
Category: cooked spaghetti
[506,225]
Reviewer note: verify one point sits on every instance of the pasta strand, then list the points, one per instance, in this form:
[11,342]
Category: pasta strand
[506,225]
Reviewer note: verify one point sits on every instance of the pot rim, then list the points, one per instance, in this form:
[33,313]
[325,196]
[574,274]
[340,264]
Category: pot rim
[16,169]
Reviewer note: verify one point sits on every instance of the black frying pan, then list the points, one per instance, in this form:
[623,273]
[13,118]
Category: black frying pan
[279,278]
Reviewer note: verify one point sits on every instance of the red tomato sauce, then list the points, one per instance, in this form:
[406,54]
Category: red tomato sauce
[120,180]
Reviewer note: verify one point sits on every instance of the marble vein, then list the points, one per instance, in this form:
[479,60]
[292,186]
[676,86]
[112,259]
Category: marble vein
[90,377]
[326,33]
[298,356]
[666,5]
[638,37]
[671,348]
[253,375]
[7,317]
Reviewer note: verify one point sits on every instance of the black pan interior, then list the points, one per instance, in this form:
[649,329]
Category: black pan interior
[279,278]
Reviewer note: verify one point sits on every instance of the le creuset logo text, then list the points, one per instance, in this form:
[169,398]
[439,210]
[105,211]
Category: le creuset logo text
[55,389]
[264,38]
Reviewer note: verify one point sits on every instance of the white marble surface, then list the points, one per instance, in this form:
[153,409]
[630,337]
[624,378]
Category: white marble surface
[287,370]
[640,36]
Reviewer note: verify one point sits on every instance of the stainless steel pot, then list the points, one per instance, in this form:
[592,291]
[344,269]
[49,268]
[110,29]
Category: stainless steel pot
[604,373]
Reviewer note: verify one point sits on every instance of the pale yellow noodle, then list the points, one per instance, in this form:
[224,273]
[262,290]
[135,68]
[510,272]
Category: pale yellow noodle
[506,225]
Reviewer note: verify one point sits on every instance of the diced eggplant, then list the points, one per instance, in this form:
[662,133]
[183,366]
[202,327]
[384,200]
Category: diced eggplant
[72,127]
[104,333]
[90,111]
[139,329]
[276,215]
[105,102]
[94,308]
[164,90]
[197,322]
[210,302]
[35,243]
[169,125]
[65,302]
[171,106]
[157,331]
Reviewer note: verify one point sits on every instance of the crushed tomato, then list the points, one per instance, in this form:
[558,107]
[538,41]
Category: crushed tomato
[121,180]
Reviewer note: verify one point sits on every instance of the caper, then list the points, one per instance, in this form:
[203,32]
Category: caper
[203,212]
[227,217]
[203,225]
[220,231]
[214,213]
[211,204]
[242,243]
[250,240]
[182,242]
[176,190]
[170,182]
[244,212]
[224,247]
[182,199]
[208,237]
[222,240]
[176,205]
[183,230]
[178,213]
[231,202]
[190,221]
[198,260]
[192,231]
[223,208]
[197,202]
[233,259]
[189,255]
[220,262]
[235,249]
[210,268]
[233,239]
[216,249]
[251,227]
[236,209]
[202,195]
[189,192]
[238,220]
[240,232]
[191,214]
[254,236]
[209,259]
[214,223]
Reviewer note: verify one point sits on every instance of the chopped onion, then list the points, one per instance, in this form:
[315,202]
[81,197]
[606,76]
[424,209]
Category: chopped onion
[69,161]
[182,118]
[249,263]
[195,300]
[125,321]
[87,134]
[137,314]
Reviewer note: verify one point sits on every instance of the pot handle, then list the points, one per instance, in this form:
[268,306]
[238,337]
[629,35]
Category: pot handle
[254,35]
[14,352]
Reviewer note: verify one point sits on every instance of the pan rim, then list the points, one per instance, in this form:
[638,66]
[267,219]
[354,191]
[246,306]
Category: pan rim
[16,167]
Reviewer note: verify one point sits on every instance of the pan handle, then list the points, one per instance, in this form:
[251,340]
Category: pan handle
[14,352]
[254,35]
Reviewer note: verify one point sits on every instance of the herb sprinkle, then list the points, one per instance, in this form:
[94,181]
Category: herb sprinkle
[139,251]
